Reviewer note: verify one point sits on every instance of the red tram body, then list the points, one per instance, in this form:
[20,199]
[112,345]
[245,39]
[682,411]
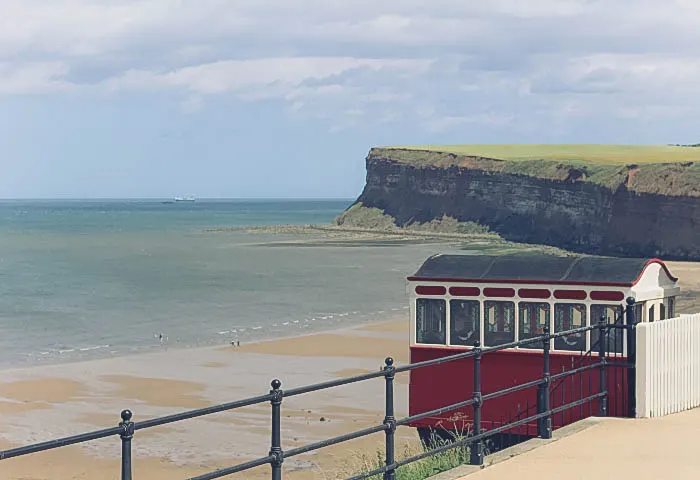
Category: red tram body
[456,300]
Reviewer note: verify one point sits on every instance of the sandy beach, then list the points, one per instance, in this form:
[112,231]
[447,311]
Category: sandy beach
[38,404]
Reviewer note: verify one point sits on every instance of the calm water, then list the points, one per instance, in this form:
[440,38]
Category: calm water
[91,279]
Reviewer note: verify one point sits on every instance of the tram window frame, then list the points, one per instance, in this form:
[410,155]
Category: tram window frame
[616,336]
[475,332]
[539,328]
[493,338]
[578,343]
[440,336]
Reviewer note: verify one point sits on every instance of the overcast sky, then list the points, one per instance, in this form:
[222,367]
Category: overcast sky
[283,98]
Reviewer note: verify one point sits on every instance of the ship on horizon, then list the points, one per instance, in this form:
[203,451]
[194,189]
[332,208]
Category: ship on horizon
[191,199]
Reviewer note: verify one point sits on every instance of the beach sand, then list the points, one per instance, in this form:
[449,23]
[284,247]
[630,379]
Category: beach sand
[688,274]
[38,404]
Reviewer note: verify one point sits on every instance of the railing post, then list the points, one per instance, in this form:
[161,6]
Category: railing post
[476,448]
[126,435]
[544,424]
[631,358]
[389,418]
[602,387]
[276,446]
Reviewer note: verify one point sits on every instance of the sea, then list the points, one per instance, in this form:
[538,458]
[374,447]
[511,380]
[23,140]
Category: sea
[86,279]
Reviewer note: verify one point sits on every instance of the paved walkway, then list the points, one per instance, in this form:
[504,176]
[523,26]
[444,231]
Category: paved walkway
[620,449]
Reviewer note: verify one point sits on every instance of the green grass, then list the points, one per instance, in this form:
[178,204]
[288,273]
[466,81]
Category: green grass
[664,170]
[605,154]
[419,470]
[359,216]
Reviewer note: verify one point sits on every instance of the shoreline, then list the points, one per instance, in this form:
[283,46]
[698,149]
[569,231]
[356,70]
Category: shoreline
[332,234]
[66,399]
[360,319]
[165,348]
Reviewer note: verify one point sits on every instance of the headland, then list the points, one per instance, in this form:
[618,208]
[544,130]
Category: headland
[598,199]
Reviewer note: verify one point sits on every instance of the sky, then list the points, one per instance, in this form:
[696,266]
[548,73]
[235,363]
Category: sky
[284,98]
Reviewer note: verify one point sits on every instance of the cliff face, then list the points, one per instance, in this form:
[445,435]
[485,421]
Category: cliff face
[566,212]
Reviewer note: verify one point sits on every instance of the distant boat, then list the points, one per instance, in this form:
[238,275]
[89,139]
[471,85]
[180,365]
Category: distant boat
[184,199]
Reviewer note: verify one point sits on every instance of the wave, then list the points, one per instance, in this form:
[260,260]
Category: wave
[249,332]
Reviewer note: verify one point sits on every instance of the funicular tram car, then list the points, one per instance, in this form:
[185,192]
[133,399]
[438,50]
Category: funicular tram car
[456,300]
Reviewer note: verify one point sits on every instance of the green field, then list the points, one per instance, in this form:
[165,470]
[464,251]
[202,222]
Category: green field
[607,154]
[665,170]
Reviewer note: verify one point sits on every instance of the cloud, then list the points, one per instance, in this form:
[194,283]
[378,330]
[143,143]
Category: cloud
[489,63]
[33,77]
[234,75]
[640,74]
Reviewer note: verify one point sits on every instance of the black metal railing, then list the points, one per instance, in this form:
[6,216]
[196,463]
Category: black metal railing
[475,441]
[624,322]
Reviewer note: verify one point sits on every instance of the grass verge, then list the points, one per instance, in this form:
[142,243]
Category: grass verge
[419,470]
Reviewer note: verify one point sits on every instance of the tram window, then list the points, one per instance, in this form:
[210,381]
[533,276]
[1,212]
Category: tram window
[532,317]
[465,319]
[662,311]
[500,322]
[671,309]
[430,321]
[569,316]
[651,313]
[638,312]
[613,313]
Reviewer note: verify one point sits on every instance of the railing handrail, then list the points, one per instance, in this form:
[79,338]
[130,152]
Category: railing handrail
[126,427]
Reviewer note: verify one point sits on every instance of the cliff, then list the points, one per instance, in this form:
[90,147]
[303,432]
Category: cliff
[607,208]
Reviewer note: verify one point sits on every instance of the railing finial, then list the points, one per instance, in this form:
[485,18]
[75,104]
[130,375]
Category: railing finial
[126,435]
[388,361]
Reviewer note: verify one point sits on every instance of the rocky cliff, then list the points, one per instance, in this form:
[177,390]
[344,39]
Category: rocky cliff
[624,210]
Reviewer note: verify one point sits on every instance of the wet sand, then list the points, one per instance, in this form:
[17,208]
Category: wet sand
[333,345]
[39,404]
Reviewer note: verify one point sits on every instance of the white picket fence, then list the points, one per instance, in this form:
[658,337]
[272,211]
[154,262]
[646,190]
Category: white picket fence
[668,366]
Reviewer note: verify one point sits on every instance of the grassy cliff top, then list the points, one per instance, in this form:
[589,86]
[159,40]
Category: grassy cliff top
[604,154]
[664,170]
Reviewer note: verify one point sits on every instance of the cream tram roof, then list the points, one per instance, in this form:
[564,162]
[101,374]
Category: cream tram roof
[645,278]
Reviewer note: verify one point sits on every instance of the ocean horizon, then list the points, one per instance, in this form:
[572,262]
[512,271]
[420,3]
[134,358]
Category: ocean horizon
[96,278]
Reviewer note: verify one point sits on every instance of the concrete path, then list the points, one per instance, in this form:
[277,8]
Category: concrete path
[644,449]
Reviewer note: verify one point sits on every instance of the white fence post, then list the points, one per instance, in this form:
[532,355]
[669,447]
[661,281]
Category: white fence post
[642,371]
[668,366]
